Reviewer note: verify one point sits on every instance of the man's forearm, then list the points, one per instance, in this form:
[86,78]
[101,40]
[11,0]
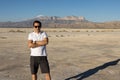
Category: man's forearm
[34,44]
[37,44]
[41,43]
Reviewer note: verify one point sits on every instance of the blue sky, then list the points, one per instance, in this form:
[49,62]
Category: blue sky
[92,10]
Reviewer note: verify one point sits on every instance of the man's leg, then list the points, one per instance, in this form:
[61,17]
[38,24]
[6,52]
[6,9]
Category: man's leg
[34,76]
[47,76]
[44,65]
[34,67]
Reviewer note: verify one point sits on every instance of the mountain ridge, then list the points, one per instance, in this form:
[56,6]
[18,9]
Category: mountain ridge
[63,22]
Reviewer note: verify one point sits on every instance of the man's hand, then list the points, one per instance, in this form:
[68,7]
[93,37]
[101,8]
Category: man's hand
[31,44]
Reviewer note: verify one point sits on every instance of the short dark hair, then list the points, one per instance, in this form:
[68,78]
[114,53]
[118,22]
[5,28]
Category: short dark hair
[36,21]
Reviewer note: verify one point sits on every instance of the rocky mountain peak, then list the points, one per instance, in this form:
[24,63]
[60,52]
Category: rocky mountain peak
[80,18]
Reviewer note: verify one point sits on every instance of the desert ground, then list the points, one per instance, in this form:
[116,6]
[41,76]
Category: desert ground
[73,54]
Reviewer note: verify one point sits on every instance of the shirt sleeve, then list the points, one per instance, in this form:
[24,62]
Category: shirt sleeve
[29,37]
[45,35]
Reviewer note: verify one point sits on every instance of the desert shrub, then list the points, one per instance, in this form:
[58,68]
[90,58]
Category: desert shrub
[103,31]
[57,36]
[12,31]
[54,31]
[61,36]
[17,31]
[92,31]
[78,31]
[3,37]
[20,31]
[97,31]
[65,31]
[87,31]
[49,36]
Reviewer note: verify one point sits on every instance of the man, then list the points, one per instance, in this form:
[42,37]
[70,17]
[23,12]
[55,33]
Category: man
[37,41]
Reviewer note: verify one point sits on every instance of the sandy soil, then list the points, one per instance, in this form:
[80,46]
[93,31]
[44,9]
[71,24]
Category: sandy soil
[74,54]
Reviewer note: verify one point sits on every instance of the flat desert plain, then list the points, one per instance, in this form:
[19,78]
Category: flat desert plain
[73,54]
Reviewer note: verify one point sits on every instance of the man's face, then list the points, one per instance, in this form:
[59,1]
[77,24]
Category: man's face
[37,27]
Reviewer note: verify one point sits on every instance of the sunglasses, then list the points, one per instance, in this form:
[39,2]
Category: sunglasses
[36,26]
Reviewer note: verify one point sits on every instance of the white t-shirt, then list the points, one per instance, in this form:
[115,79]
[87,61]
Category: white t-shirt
[41,50]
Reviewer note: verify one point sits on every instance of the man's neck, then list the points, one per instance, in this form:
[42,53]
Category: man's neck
[37,32]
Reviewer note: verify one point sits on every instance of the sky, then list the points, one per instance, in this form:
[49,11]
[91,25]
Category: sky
[92,10]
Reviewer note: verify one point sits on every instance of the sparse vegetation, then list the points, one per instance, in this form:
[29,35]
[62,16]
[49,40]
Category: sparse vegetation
[12,31]
[17,31]
[3,37]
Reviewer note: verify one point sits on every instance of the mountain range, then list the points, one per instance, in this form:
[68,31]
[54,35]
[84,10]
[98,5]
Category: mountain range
[63,22]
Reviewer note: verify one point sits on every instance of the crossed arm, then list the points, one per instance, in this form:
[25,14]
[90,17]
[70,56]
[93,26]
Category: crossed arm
[35,44]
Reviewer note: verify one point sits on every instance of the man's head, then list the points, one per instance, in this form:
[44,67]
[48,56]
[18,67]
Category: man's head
[37,26]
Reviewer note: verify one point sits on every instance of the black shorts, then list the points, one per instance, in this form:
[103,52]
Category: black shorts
[36,61]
